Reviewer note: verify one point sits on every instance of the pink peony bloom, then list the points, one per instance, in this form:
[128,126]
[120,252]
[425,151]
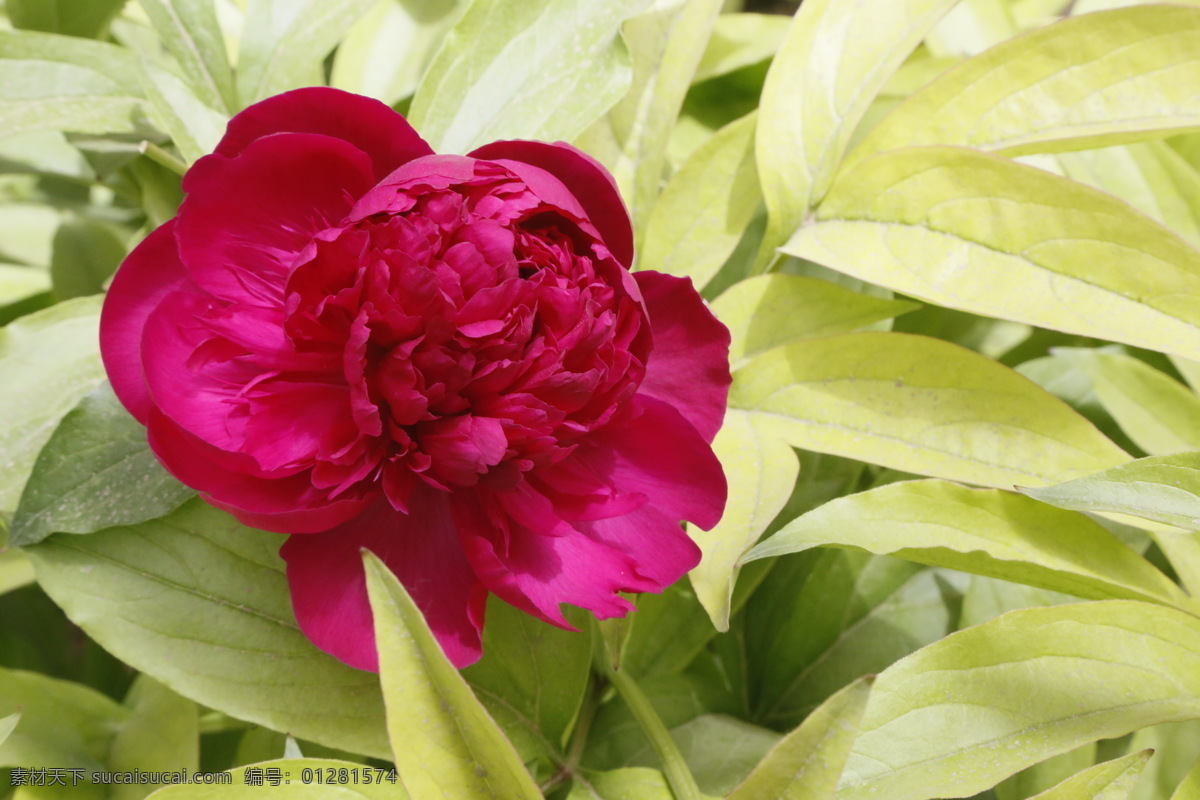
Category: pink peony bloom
[443,359]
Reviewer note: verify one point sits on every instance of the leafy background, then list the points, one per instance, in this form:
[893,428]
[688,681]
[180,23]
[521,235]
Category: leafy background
[956,244]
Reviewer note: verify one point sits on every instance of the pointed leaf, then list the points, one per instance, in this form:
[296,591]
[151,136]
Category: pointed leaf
[920,405]
[983,234]
[761,470]
[95,472]
[1160,488]
[542,70]
[194,126]
[1158,413]
[959,715]
[190,32]
[740,40]
[118,64]
[443,740]
[835,59]
[1112,780]
[54,357]
[201,603]
[533,675]
[39,95]
[1189,788]
[705,208]
[7,725]
[982,531]
[807,764]
[286,41]
[768,311]
[1093,80]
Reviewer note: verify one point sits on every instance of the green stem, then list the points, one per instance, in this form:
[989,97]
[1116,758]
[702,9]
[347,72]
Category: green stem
[162,157]
[683,784]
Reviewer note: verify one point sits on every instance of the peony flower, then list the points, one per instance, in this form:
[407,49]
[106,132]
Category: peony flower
[443,359]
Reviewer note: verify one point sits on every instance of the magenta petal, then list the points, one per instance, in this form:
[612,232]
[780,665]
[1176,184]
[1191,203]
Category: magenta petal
[366,123]
[537,572]
[329,589]
[148,274]
[689,367]
[233,482]
[246,219]
[657,453]
[590,182]
[659,546]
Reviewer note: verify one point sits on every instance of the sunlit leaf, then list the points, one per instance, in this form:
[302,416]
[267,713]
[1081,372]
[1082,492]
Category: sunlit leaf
[739,40]
[982,531]
[705,208]
[983,234]
[53,356]
[1089,81]
[286,41]
[190,32]
[201,603]
[631,783]
[40,95]
[1161,488]
[194,126]
[835,59]
[1112,780]
[443,740]
[920,405]
[768,311]
[116,63]
[958,715]
[542,70]
[761,471]
[808,762]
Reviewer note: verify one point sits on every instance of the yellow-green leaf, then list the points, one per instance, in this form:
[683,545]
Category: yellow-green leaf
[1112,780]
[983,234]
[920,405]
[443,741]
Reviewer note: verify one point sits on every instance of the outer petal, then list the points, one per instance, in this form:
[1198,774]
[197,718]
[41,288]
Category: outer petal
[658,544]
[233,482]
[150,273]
[657,453]
[590,182]
[246,219]
[689,367]
[367,124]
[329,590]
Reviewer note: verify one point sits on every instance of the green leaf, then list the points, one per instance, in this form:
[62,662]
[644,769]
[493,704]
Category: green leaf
[161,735]
[1189,788]
[95,472]
[194,126]
[1158,413]
[971,27]
[118,64]
[443,740]
[666,634]
[721,750]
[920,405]
[666,43]
[822,619]
[285,42]
[539,70]
[769,311]
[981,531]
[7,725]
[835,59]
[977,706]
[1090,81]
[190,32]
[983,234]
[84,18]
[705,208]
[1164,489]
[85,255]
[53,356]
[808,762]
[533,675]
[15,569]
[761,470]
[1112,780]
[631,783]
[18,283]
[740,40]
[62,724]
[46,96]
[1150,176]
[385,53]
[299,779]
[201,603]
